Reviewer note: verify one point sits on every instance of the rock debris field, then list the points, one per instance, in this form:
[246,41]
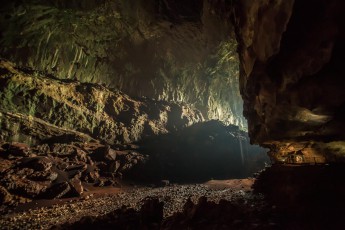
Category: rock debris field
[174,197]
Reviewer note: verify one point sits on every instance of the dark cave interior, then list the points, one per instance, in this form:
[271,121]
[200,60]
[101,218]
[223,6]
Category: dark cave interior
[171,114]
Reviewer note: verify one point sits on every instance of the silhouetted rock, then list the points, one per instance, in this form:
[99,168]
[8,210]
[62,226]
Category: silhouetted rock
[37,163]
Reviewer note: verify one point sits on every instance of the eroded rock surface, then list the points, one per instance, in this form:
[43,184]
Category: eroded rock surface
[291,55]
[165,49]
[36,107]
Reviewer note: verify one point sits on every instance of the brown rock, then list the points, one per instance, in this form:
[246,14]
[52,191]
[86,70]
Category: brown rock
[57,191]
[110,154]
[5,196]
[90,175]
[37,163]
[5,165]
[76,186]
[22,186]
[16,149]
[43,176]
[81,155]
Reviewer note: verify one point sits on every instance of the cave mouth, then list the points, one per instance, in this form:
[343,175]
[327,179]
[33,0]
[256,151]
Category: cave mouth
[122,113]
[101,96]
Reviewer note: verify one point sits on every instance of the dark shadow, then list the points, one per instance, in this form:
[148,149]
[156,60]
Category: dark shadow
[201,152]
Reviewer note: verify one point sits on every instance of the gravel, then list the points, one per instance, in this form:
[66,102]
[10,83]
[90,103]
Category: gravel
[173,196]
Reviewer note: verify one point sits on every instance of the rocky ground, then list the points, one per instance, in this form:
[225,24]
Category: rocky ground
[60,170]
[281,197]
[174,197]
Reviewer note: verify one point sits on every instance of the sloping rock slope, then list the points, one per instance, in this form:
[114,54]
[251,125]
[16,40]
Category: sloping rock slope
[36,107]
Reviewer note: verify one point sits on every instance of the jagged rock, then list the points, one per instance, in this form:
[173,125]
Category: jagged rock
[5,164]
[37,163]
[114,166]
[104,153]
[23,186]
[73,111]
[16,149]
[43,176]
[62,149]
[5,196]
[81,155]
[76,186]
[57,191]
[90,175]
[110,154]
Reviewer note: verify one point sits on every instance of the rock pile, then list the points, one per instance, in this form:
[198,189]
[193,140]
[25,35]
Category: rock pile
[50,171]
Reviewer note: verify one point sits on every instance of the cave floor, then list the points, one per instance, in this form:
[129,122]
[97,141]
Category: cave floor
[44,214]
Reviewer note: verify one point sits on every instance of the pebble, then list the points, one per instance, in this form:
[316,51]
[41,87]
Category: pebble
[173,197]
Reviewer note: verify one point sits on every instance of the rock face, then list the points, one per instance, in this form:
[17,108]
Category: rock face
[292,77]
[36,107]
[165,49]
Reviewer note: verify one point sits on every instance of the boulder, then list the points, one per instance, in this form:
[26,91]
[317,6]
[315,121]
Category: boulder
[23,186]
[5,196]
[76,186]
[43,176]
[90,175]
[16,150]
[37,163]
[57,191]
[152,211]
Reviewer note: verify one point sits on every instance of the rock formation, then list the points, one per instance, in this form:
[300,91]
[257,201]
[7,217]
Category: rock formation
[166,50]
[291,55]
[35,107]
[58,170]
[60,136]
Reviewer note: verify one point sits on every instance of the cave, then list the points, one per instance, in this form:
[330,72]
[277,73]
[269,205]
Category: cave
[171,114]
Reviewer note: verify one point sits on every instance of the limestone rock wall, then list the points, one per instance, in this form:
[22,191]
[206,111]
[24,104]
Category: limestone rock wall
[292,76]
[36,107]
[169,50]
